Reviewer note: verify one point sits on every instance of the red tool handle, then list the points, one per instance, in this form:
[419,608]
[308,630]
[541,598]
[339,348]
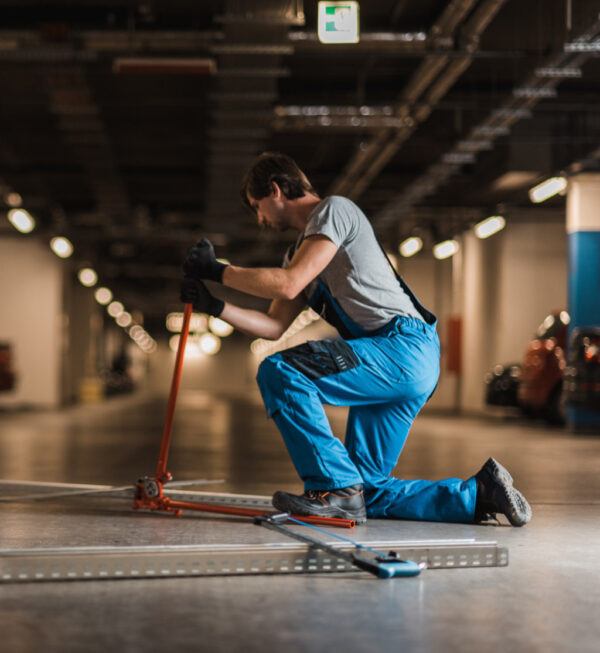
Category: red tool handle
[161,469]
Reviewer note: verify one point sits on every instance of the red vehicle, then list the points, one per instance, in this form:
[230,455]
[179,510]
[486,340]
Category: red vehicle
[540,391]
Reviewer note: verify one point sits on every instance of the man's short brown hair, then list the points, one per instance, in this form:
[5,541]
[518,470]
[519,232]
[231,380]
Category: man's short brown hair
[275,167]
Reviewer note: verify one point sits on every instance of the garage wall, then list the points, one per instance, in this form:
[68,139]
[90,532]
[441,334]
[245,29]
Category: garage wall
[31,320]
[533,282]
[511,282]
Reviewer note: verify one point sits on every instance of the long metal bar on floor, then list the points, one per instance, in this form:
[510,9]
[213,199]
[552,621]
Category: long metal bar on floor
[67,490]
[138,562]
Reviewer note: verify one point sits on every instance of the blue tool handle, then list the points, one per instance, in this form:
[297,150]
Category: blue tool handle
[389,569]
[400,568]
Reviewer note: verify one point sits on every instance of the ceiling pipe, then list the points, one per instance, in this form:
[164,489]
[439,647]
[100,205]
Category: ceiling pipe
[366,164]
[496,124]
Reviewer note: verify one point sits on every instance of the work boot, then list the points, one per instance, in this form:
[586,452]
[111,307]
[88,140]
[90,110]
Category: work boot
[345,503]
[496,494]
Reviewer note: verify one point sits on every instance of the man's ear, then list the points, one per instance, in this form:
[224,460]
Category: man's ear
[277,193]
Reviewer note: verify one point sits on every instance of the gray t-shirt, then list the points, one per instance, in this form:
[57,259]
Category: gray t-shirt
[359,276]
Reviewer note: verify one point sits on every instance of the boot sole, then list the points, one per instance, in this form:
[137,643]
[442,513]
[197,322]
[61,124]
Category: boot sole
[516,509]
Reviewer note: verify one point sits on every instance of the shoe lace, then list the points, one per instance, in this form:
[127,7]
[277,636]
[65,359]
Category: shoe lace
[315,494]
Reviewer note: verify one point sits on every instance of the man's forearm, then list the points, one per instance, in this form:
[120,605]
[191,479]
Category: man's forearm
[252,323]
[271,283]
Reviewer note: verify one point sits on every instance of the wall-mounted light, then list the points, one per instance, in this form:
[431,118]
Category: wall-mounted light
[115,309]
[103,296]
[338,22]
[410,246]
[445,249]
[489,226]
[124,319]
[547,189]
[143,340]
[61,246]
[87,277]
[21,220]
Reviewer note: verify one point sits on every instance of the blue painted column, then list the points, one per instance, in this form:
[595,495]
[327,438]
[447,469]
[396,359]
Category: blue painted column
[583,232]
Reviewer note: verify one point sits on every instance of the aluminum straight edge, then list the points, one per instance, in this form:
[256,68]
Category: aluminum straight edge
[97,563]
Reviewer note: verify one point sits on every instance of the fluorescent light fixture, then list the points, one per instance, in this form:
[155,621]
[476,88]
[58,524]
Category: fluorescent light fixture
[445,249]
[219,327]
[87,277]
[21,220]
[583,46]
[61,246]
[410,246]
[547,189]
[198,322]
[103,296]
[13,199]
[338,22]
[556,72]
[535,92]
[209,344]
[489,226]
[124,319]
[115,308]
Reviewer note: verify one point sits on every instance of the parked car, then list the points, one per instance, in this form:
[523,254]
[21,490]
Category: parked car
[540,389]
[7,374]
[535,386]
[582,374]
[501,385]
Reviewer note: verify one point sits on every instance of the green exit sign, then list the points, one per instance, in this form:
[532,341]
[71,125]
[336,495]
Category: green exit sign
[338,22]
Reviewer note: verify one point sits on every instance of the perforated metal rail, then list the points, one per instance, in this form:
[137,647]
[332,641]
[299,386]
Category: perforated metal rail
[93,563]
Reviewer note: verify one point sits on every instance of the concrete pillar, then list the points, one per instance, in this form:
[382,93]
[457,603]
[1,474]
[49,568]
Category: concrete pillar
[583,230]
[480,306]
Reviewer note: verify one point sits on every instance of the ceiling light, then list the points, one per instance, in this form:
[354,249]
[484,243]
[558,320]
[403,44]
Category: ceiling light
[192,350]
[551,71]
[13,199]
[115,308]
[582,46]
[61,246]
[209,343]
[21,220]
[410,246]
[547,189]
[489,226]
[535,92]
[338,22]
[219,327]
[124,319]
[445,249]
[87,277]
[103,296]
[198,322]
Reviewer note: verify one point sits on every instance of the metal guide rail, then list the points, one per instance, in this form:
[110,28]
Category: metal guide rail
[41,491]
[136,562]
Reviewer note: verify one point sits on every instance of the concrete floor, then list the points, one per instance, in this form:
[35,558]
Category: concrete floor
[546,599]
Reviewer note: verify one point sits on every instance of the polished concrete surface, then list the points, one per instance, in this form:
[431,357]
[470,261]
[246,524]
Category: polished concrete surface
[547,599]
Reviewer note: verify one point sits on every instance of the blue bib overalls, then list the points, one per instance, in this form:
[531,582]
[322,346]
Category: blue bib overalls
[385,377]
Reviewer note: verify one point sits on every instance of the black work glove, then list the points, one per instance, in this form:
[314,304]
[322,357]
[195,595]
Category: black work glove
[194,292]
[201,262]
